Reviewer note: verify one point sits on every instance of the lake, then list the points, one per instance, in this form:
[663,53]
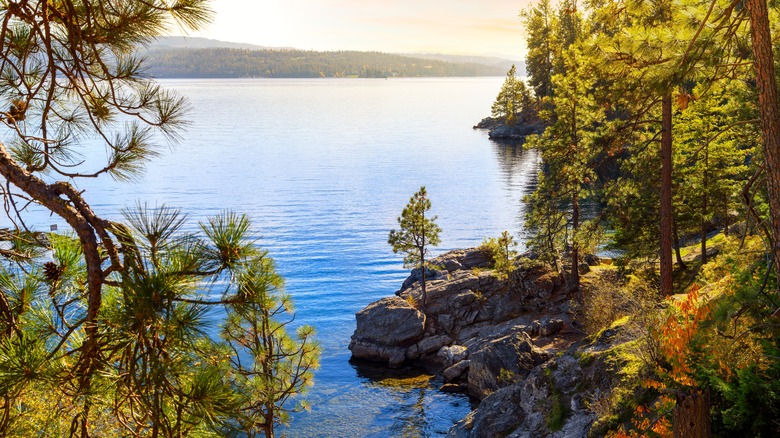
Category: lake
[324,167]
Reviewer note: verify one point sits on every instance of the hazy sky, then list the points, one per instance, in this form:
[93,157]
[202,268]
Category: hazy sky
[480,27]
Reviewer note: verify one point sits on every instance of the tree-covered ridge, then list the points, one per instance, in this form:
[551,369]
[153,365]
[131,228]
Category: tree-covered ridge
[286,63]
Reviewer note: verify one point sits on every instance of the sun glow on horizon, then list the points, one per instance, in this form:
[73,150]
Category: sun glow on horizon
[463,27]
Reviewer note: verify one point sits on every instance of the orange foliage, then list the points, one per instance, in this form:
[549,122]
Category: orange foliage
[674,339]
[677,333]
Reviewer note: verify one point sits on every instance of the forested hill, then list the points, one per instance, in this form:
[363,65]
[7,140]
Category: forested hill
[290,63]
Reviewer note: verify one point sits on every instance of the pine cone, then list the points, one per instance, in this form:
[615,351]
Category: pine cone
[52,271]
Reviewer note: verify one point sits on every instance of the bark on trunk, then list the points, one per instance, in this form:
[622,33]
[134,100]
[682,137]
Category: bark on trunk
[704,207]
[666,195]
[691,416]
[769,112]
[575,249]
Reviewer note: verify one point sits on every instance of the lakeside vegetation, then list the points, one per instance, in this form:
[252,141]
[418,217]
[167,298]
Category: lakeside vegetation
[290,63]
[665,114]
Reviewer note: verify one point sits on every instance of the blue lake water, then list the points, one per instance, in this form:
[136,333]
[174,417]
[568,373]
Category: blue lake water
[324,167]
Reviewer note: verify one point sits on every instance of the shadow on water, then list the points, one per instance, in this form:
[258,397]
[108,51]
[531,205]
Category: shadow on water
[414,390]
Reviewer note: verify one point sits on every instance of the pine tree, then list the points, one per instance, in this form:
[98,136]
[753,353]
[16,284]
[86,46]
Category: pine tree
[567,149]
[513,102]
[415,235]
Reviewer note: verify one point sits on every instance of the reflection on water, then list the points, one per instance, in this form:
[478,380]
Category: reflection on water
[519,173]
[414,390]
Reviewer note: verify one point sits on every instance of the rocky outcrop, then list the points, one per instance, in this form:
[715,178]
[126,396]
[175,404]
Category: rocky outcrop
[508,342]
[477,327]
[385,330]
[501,361]
[499,131]
[557,398]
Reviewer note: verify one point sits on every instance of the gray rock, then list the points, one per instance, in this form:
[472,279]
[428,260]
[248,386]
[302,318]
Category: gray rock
[456,371]
[550,327]
[385,330]
[522,409]
[416,277]
[391,322]
[452,265]
[536,328]
[394,356]
[501,361]
[592,260]
[451,354]
[427,345]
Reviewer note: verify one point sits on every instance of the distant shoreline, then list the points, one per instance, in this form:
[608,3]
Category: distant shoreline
[226,63]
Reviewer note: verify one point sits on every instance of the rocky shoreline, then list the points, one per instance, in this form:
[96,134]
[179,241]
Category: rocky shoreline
[514,344]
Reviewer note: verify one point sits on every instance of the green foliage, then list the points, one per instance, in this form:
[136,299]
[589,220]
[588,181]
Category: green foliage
[513,103]
[568,149]
[161,371]
[601,77]
[548,36]
[500,249]
[281,365]
[736,355]
[416,232]
[556,416]
[106,332]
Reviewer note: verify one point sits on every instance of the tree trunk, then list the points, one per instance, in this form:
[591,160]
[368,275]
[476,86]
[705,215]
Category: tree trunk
[704,207]
[422,269]
[666,195]
[769,112]
[677,254]
[691,416]
[575,249]
[268,426]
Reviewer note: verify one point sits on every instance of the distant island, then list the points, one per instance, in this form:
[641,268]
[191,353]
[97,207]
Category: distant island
[174,57]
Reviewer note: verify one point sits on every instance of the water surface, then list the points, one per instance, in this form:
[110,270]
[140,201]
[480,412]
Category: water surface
[324,167]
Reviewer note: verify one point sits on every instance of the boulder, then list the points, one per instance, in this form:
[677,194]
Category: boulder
[427,345]
[385,330]
[456,371]
[452,354]
[550,326]
[592,260]
[390,321]
[499,362]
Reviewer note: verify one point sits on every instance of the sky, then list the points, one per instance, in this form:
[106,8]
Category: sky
[462,27]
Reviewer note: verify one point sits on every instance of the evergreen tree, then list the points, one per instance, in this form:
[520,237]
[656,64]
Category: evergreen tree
[513,102]
[548,35]
[415,235]
[279,366]
[567,151]
[540,28]
[711,155]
